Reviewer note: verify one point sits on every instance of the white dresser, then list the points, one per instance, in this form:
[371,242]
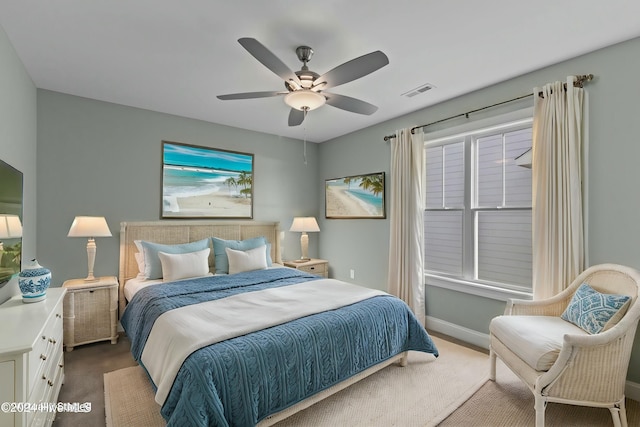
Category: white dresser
[31,358]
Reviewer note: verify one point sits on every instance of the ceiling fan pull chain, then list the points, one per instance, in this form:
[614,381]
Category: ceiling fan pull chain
[304,134]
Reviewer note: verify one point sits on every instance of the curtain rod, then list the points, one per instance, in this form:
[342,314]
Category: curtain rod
[578,83]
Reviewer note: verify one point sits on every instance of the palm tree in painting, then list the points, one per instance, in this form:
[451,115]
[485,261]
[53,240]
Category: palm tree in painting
[231,181]
[347,181]
[372,183]
[245,179]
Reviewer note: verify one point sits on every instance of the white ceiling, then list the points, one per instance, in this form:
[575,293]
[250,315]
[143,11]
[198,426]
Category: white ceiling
[176,56]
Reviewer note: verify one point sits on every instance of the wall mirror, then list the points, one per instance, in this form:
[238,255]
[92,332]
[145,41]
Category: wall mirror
[10,222]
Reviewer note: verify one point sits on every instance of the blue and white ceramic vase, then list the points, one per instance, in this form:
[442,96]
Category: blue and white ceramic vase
[33,281]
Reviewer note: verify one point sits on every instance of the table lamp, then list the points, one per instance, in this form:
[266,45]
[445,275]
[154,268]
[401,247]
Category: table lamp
[91,227]
[10,228]
[304,225]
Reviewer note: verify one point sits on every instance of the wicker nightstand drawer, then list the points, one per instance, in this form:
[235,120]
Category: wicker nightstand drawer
[90,311]
[319,267]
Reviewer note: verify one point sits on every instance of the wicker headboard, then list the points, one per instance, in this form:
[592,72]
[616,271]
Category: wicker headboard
[175,232]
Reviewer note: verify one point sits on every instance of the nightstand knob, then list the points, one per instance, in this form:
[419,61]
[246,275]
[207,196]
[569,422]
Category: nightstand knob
[51,340]
[43,377]
[44,338]
[43,357]
[50,383]
[58,315]
[61,365]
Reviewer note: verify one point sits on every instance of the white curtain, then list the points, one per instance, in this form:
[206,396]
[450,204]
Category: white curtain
[406,220]
[558,232]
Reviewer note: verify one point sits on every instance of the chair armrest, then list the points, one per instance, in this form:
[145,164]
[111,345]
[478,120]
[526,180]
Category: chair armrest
[547,307]
[574,373]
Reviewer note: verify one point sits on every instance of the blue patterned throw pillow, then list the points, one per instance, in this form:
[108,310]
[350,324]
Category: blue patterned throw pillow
[591,310]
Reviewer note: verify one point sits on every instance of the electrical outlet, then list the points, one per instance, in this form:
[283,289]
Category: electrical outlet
[352,273]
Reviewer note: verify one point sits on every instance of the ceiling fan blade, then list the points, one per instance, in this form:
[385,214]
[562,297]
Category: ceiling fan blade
[350,104]
[296,117]
[268,59]
[249,95]
[353,69]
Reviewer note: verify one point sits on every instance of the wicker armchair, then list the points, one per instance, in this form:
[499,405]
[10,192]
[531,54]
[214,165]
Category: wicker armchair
[589,370]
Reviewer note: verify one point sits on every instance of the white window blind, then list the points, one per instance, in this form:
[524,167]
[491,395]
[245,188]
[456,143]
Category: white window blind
[477,215]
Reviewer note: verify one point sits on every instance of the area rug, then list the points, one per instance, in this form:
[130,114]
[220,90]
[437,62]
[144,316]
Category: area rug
[507,402]
[421,394]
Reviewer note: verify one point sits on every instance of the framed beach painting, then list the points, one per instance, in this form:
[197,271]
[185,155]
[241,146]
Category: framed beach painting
[202,182]
[358,196]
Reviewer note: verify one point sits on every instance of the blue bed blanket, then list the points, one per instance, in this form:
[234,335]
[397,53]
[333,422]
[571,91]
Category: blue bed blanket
[240,381]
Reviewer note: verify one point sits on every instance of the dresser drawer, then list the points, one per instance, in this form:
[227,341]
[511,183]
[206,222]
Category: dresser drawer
[318,269]
[46,347]
[30,365]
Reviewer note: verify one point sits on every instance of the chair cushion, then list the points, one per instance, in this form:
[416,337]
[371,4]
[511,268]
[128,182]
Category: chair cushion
[537,340]
[595,312]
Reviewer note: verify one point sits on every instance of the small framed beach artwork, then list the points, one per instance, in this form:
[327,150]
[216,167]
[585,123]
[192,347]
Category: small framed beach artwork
[358,196]
[202,182]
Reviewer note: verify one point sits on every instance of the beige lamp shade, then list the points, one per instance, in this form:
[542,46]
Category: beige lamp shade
[10,227]
[303,225]
[90,226]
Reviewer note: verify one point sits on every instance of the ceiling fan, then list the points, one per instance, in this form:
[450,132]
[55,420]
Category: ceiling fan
[305,88]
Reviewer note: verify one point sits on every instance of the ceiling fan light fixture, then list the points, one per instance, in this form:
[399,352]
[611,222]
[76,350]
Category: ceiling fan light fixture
[304,99]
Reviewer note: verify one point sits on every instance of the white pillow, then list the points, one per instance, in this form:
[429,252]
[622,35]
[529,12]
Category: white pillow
[183,266]
[140,260]
[251,259]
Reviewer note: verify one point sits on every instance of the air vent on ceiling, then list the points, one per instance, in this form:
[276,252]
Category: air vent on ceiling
[417,91]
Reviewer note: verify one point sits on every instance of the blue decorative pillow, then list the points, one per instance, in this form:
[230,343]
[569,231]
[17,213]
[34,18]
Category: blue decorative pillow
[220,253]
[149,250]
[591,310]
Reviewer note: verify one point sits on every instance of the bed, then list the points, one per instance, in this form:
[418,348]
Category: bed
[255,346]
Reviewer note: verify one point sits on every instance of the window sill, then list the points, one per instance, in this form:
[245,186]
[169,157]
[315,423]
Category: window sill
[475,288]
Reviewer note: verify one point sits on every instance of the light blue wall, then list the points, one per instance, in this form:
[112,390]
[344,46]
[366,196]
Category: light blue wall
[613,177]
[18,140]
[97,158]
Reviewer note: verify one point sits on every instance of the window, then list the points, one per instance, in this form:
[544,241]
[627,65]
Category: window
[477,218]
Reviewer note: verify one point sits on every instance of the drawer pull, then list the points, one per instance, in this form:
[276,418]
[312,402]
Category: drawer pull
[44,338]
[61,365]
[43,377]
[50,383]
[58,315]
[43,357]
[51,340]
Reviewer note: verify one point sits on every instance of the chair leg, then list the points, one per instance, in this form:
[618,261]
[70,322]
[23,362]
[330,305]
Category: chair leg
[615,414]
[492,364]
[619,414]
[540,406]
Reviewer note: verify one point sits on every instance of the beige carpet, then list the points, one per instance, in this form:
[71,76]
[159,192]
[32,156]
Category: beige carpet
[422,393]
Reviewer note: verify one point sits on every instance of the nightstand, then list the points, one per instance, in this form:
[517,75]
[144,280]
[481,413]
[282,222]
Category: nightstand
[319,267]
[90,311]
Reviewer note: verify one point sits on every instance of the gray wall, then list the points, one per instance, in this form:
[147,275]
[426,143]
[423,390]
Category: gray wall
[18,141]
[613,177]
[97,158]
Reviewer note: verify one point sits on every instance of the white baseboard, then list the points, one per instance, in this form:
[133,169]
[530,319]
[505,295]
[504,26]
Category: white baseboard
[631,390]
[459,332]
